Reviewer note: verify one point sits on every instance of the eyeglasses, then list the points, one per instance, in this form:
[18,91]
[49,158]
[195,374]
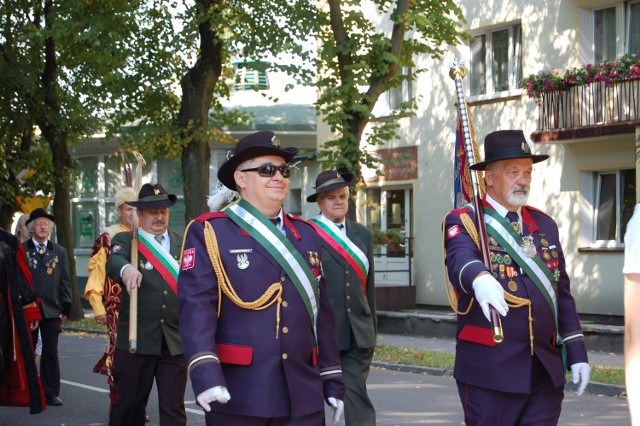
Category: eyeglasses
[269,170]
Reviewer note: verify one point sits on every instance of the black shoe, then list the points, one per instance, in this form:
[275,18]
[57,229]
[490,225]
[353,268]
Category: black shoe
[54,400]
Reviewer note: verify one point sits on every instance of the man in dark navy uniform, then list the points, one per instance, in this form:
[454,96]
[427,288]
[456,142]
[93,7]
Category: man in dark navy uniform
[255,319]
[521,379]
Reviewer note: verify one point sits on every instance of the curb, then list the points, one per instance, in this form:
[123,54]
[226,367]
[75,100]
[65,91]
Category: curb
[594,388]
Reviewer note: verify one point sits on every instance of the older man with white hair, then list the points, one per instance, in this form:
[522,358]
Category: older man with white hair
[49,266]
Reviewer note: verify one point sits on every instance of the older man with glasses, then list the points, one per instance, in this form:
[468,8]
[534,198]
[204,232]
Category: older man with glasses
[255,319]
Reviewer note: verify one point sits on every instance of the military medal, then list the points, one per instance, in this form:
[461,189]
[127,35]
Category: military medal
[243,261]
[545,254]
[528,247]
[49,271]
[513,286]
[556,275]
[148,266]
[543,241]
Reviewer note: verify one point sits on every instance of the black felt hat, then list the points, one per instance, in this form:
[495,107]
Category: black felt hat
[506,145]
[251,146]
[39,212]
[330,180]
[153,196]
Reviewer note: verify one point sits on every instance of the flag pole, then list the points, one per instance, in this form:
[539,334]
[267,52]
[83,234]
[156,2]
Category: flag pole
[457,73]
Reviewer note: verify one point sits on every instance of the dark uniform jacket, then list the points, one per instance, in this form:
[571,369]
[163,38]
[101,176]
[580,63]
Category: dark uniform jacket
[266,375]
[50,272]
[507,366]
[157,303]
[355,312]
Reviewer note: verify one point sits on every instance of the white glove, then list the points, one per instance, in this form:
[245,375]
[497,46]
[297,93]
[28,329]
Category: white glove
[217,393]
[338,407]
[488,291]
[581,372]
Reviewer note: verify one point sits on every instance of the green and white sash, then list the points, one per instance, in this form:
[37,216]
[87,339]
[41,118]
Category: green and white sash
[502,231]
[267,235]
[344,246]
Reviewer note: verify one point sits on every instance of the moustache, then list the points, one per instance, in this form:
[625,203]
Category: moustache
[158,222]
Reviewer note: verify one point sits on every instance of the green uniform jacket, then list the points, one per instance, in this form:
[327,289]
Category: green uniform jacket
[355,312]
[157,303]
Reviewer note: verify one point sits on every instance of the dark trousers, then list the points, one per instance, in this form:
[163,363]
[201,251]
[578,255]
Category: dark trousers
[358,409]
[219,419]
[540,407]
[49,364]
[134,375]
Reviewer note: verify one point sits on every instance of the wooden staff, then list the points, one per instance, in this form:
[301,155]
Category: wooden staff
[457,73]
[133,296]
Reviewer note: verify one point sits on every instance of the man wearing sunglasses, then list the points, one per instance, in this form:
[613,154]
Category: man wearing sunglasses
[255,318]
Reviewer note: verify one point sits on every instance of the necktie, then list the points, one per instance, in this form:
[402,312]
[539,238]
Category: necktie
[514,219]
[275,221]
[340,226]
[41,248]
[159,238]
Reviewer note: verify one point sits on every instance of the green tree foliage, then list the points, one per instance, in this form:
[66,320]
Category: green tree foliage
[363,48]
[61,68]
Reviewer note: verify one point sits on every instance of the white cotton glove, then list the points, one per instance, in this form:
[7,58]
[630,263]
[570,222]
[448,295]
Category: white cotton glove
[338,407]
[581,372]
[217,393]
[488,291]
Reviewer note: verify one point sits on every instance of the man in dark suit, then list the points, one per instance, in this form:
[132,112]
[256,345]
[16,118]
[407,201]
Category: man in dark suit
[526,291]
[255,318]
[347,266]
[158,352]
[49,268]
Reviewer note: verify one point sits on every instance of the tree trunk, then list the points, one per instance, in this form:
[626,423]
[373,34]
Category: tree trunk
[196,158]
[54,131]
[198,86]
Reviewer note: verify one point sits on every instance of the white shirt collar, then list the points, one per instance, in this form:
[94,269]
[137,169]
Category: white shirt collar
[500,209]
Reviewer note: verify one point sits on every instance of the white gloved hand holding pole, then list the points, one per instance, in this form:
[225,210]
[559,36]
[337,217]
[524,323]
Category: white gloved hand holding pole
[217,393]
[337,406]
[488,292]
[580,372]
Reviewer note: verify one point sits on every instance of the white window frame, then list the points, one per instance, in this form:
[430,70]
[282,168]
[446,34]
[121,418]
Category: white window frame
[514,66]
[587,28]
[403,93]
[589,183]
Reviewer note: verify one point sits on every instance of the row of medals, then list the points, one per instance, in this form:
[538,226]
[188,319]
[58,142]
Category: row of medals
[501,264]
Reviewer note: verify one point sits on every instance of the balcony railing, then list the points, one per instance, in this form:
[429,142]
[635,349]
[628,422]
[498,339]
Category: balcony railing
[589,105]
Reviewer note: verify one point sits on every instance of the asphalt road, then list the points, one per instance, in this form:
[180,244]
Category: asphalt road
[401,398]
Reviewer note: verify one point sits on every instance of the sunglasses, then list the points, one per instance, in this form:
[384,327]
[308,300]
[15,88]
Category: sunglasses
[269,170]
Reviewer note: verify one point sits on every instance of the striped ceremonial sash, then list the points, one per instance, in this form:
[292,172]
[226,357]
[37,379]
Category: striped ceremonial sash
[344,246]
[267,235]
[506,236]
[161,260]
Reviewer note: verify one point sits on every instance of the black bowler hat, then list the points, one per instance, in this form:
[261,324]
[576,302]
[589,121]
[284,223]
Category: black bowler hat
[153,196]
[506,145]
[330,180]
[251,146]
[39,212]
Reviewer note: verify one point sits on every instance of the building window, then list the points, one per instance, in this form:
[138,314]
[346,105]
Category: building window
[609,198]
[632,22]
[609,32]
[496,60]
[401,94]
[84,205]
[251,76]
